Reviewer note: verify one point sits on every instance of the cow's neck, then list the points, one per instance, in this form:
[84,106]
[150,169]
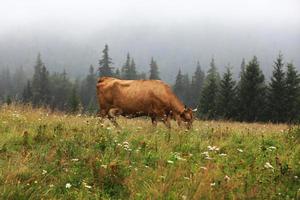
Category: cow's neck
[178,106]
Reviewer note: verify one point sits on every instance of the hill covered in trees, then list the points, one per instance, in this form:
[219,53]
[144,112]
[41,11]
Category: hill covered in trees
[249,98]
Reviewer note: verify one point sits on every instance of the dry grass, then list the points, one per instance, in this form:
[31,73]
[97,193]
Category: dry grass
[41,153]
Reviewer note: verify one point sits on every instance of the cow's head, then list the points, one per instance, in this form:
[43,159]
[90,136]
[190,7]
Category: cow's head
[188,116]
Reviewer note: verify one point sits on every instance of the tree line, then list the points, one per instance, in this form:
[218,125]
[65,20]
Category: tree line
[249,98]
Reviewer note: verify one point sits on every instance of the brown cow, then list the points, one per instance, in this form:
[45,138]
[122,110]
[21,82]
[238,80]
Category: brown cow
[133,98]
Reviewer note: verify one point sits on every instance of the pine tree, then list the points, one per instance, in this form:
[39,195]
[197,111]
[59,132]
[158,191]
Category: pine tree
[126,68]
[5,83]
[36,82]
[179,86]
[88,90]
[74,101]
[8,100]
[197,85]
[154,74]
[60,89]
[141,76]
[27,93]
[104,64]
[277,92]
[252,93]
[19,80]
[118,73]
[292,94]
[44,86]
[186,90]
[208,99]
[227,96]
[243,66]
[132,70]
[239,95]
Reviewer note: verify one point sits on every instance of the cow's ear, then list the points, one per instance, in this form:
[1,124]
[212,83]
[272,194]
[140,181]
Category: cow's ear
[185,107]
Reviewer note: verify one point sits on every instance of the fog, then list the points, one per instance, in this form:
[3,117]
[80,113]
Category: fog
[71,34]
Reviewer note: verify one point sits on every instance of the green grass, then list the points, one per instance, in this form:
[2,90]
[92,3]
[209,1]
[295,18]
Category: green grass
[41,154]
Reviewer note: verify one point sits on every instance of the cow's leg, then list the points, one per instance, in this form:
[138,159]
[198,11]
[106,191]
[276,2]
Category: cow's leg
[154,121]
[178,119]
[102,114]
[167,121]
[112,114]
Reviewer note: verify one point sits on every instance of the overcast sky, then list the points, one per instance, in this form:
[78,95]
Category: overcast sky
[97,14]
[200,27]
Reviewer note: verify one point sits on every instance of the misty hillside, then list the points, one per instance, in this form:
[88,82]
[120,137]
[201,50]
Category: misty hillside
[172,46]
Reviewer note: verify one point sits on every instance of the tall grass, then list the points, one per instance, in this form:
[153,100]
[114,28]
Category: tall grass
[47,155]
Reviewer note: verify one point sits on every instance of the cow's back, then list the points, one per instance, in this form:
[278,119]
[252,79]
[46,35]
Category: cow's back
[135,96]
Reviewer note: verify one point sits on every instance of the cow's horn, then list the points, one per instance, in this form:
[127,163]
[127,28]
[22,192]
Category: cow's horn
[195,110]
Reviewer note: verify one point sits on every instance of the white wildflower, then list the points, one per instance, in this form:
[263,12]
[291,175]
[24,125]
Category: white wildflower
[271,148]
[182,159]
[75,159]
[170,162]
[44,172]
[179,158]
[207,157]
[104,166]
[51,185]
[296,177]
[268,166]
[108,128]
[126,146]
[204,168]
[213,184]
[213,148]
[240,150]
[226,178]
[183,197]
[35,182]
[86,185]
[186,178]
[222,154]
[68,185]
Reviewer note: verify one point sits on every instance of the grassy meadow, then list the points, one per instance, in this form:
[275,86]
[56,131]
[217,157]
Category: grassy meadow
[47,155]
